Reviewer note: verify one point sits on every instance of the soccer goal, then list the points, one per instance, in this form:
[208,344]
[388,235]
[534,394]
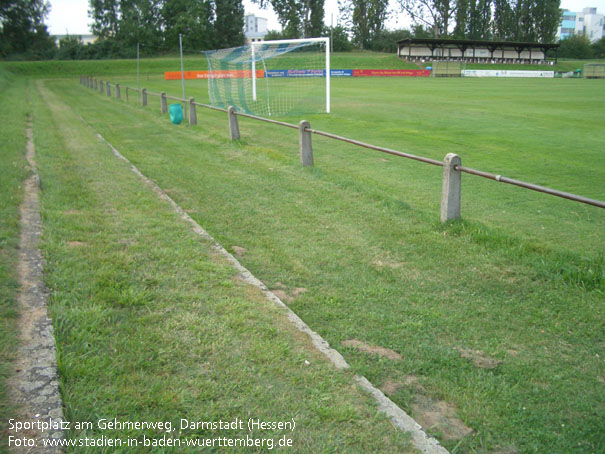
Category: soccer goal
[447,68]
[594,71]
[272,78]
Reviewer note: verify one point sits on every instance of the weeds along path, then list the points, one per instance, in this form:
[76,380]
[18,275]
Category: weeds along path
[153,324]
[34,387]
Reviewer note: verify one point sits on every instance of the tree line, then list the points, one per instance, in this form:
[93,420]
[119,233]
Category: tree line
[155,25]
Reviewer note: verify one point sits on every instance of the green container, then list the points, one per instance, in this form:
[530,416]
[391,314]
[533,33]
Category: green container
[176,113]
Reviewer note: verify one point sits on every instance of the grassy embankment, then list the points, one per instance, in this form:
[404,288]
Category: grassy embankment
[14,109]
[498,318]
[157,66]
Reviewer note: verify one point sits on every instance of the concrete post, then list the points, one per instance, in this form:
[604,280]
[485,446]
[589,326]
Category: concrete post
[192,112]
[101,87]
[450,193]
[304,144]
[127,93]
[96,84]
[164,102]
[108,89]
[144,96]
[90,79]
[233,124]
[118,94]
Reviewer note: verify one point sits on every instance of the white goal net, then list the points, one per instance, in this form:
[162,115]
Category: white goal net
[272,78]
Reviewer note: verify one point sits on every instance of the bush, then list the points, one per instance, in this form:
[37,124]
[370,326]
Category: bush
[598,48]
[386,40]
[577,46]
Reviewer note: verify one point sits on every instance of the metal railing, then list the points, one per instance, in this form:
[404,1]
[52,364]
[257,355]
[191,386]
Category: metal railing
[452,165]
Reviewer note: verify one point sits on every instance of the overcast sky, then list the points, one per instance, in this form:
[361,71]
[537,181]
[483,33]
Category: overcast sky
[71,16]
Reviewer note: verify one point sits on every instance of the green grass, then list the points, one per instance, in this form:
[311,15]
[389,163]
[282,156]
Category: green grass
[152,325]
[520,279]
[13,170]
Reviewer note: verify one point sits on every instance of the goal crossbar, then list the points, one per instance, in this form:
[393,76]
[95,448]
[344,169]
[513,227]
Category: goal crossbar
[326,42]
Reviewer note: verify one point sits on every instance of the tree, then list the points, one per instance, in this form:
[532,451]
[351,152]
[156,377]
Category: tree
[365,19]
[140,22]
[314,18]
[340,38]
[436,14]
[503,21]
[298,18]
[229,23]
[473,19]
[577,46]
[157,24]
[22,29]
[598,48]
[193,19]
[547,17]
[105,15]
[386,40]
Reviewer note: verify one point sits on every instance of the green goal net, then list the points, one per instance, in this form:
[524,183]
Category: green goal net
[271,78]
[447,68]
[594,71]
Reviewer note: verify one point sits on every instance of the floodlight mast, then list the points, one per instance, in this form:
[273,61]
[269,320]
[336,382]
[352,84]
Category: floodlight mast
[288,41]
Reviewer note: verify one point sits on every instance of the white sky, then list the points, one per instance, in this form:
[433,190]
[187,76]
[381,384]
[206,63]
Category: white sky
[71,16]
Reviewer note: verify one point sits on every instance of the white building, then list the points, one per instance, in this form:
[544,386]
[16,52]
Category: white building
[255,28]
[588,23]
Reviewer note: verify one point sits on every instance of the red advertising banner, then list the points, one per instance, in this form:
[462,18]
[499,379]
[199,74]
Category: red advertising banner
[224,74]
[391,72]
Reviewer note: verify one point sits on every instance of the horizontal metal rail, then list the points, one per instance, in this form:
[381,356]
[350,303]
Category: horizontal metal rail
[374,147]
[207,106]
[531,186]
[266,120]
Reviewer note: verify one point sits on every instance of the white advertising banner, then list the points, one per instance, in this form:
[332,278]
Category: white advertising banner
[505,73]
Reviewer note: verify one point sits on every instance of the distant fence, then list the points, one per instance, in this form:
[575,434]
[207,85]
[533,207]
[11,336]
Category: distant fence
[452,164]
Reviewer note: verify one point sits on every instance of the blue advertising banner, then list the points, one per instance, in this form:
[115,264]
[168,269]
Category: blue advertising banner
[308,73]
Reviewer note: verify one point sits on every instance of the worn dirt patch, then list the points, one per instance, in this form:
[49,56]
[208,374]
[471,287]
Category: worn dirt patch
[386,263]
[479,358]
[282,295]
[239,251]
[76,244]
[439,416]
[391,386]
[68,212]
[374,350]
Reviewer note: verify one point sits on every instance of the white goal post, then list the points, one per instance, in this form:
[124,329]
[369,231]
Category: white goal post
[326,42]
[272,78]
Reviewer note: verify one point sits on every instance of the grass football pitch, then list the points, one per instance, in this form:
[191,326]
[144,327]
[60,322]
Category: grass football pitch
[498,318]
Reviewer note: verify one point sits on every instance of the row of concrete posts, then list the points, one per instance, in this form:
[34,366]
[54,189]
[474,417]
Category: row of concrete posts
[451,187]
